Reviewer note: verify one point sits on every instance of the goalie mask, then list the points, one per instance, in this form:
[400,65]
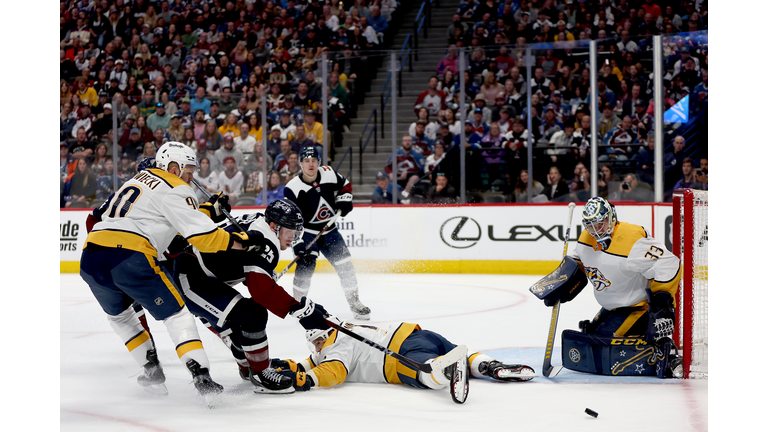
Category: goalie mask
[599,219]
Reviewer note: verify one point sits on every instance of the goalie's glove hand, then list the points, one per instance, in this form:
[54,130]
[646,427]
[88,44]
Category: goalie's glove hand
[310,315]
[300,380]
[300,249]
[661,317]
[251,240]
[216,205]
[285,365]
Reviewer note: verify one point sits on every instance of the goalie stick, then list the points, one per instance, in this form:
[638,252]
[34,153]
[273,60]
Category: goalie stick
[549,370]
[439,364]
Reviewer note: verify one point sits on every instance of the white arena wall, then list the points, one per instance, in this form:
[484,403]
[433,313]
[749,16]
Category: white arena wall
[476,238]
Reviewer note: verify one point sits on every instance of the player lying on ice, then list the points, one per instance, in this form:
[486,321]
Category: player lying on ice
[635,279]
[338,358]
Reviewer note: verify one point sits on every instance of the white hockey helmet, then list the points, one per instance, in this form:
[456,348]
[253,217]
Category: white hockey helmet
[314,334]
[174,151]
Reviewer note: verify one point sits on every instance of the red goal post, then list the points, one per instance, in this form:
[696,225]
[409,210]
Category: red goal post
[691,244]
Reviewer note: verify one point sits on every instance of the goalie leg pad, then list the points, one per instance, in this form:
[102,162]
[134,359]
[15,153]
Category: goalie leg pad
[607,355]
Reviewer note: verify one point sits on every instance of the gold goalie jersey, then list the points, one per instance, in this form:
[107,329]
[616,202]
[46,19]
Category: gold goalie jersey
[145,214]
[633,262]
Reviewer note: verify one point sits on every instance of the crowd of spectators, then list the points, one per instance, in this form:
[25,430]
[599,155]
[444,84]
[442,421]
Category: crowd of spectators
[494,35]
[195,71]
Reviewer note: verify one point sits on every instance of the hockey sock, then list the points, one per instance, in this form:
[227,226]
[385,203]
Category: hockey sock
[474,363]
[129,329]
[183,331]
[256,348]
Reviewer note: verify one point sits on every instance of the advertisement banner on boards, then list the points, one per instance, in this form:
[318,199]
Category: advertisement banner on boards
[451,233]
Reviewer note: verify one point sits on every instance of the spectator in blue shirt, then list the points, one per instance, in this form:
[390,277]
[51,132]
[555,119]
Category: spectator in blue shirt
[378,22]
[384,190]
[200,102]
[473,138]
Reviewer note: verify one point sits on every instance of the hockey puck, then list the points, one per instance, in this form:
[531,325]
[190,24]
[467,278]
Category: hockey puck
[590,412]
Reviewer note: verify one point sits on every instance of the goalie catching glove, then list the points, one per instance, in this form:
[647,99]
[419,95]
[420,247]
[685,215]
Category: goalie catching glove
[310,314]
[215,207]
[661,316]
[562,285]
[251,240]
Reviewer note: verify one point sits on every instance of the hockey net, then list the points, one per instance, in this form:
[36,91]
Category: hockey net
[691,245]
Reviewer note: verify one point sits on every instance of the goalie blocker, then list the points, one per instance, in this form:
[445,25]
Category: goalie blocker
[562,285]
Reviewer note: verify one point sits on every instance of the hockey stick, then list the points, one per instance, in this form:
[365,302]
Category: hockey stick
[547,368]
[314,240]
[438,365]
[226,213]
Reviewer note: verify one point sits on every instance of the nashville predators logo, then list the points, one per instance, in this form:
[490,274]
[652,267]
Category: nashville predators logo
[596,277]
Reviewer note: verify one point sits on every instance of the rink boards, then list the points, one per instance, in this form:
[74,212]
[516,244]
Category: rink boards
[479,238]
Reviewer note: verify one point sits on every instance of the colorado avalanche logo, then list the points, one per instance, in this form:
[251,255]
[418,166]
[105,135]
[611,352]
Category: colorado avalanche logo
[323,213]
[596,277]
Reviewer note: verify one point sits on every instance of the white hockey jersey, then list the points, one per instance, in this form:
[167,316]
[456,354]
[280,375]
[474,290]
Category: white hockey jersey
[343,358]
[147,212]
[633,262]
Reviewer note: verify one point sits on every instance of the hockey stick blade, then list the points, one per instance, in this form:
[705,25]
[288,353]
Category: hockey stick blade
[552,371]
[460,381]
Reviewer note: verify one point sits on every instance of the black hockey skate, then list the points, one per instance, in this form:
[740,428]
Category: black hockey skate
[153,378]
[270,381]
[204,384]
[502,372]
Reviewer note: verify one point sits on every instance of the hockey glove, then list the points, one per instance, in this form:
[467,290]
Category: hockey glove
[300,248]
[285,365]
[310,315]
[251,240]
[215,207]
[344,203]
[301,381]
[344,208]
[661,316]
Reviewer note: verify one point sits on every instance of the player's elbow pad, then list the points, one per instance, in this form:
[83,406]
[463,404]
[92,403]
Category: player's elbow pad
[562,285]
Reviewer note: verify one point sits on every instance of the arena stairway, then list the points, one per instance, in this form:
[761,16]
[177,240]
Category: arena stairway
[431,51]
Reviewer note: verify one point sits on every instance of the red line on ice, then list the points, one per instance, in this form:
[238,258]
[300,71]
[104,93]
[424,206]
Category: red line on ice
[118,420]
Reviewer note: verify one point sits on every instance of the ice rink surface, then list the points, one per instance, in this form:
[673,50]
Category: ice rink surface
[494,314]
